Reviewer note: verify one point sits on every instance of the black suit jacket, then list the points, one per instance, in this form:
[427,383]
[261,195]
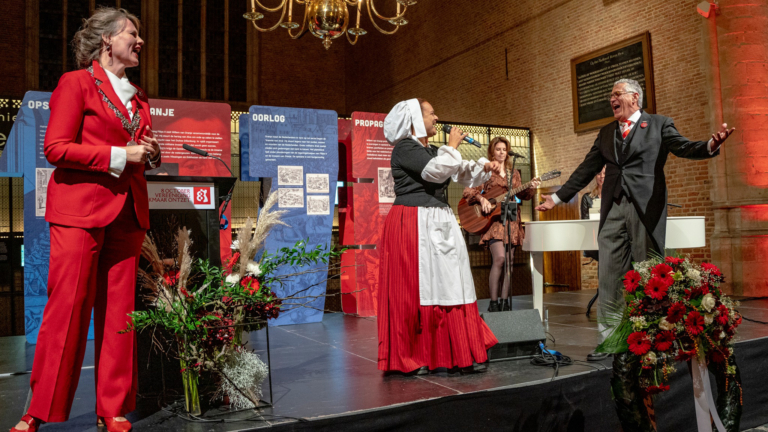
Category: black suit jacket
[642,170]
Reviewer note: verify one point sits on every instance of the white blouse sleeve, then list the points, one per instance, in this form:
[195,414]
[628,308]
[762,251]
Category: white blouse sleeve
[449,164]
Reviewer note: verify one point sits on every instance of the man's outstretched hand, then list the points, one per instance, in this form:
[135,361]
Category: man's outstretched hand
[719,138]
[548,203]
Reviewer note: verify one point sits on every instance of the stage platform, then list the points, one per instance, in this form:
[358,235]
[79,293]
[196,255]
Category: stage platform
[325,378]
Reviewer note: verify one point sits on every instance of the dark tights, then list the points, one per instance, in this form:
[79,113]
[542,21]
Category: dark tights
[497,270]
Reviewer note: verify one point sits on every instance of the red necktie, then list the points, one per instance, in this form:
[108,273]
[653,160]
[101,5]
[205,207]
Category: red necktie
[625,128]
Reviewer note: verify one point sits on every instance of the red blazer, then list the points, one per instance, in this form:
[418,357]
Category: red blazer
[81,133]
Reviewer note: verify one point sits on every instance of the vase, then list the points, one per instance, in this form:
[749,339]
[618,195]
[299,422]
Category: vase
[189,378]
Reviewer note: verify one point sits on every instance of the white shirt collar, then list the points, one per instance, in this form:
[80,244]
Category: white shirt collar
[635,117]
[123,88]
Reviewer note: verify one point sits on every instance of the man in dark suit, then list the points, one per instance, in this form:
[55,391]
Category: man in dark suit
[633,210]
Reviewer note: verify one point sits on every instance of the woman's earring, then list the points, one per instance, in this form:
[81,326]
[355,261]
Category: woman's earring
[109,50]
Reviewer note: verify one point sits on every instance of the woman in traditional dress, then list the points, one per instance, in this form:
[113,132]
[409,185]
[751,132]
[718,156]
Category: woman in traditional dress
[497,238]
[100,141]
[427,307]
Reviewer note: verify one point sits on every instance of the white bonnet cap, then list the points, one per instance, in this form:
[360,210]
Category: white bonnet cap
[397,125]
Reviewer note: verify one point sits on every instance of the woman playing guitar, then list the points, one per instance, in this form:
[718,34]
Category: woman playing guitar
[495,238]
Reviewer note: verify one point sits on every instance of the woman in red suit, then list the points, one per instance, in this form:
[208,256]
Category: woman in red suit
[100,141]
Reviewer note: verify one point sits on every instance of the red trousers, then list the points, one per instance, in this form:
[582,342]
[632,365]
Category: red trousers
[90,269]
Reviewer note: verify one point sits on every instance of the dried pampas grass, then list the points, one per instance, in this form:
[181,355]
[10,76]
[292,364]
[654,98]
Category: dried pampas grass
[251,244]
[149,252]
[183,242]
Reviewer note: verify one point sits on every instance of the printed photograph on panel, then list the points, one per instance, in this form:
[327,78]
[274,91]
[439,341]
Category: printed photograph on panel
[318,205]
[386,186]
[318,183]
[42,176]
[290,197]
[290,175]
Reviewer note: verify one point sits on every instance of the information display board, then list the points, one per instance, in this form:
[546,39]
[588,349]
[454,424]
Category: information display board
[298,149]
[373,193]
[201,124]
[594,74]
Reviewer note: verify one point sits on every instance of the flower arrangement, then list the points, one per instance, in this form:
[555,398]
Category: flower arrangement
[206,308]
[674,311]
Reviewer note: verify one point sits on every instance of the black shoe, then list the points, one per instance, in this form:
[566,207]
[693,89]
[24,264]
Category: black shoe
[474,369]
[506,304]
[493,306]
[424,370]
[596,356]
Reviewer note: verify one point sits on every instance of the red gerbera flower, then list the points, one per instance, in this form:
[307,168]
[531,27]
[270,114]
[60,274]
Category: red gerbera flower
[233,260]
[673,260]
[171,277]
[676,312]
[711,268]
[694,323]
[631,281]
[663,272]
[251,284]
[656,288]
[639,343]
[722,316]
[664,340]
[695,292]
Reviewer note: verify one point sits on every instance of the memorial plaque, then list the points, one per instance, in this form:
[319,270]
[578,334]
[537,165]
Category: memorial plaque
[593,76]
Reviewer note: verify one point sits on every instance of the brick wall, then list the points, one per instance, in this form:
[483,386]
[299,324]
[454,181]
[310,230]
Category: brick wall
[453,54]
[12,45]
[301,73]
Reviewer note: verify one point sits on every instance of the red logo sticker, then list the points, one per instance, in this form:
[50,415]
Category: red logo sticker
[644,125]
[201,195]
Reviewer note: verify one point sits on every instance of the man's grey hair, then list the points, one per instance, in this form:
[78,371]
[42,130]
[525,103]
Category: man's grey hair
[633,87]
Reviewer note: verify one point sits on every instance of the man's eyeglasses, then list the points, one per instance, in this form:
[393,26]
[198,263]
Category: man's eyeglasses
[619,93]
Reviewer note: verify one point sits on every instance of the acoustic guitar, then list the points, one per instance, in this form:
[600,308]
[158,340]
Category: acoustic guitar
[474,221]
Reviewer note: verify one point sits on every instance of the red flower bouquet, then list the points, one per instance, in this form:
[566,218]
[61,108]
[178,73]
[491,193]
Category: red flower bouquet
[674,311]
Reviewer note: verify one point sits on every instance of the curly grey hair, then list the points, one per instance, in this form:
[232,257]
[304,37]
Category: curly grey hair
[88,43]
[633,87]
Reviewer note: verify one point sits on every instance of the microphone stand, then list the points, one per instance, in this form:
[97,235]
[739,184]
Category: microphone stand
[228,196]
[506,213]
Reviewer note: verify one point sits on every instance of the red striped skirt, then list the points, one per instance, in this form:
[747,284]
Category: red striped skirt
[411,335]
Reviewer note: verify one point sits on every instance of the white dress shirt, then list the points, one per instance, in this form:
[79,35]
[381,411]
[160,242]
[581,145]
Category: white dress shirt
[125,91]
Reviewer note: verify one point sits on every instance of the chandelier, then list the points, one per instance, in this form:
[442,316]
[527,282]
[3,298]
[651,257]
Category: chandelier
[328,19]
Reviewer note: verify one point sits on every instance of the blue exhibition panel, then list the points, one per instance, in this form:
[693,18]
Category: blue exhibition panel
[23,157]
[298,149]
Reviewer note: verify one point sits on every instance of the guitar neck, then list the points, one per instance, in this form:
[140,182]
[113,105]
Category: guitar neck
[512,193]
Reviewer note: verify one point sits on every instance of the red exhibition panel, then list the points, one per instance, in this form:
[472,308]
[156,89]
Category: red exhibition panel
[204,125]
[369,204]
[346,222]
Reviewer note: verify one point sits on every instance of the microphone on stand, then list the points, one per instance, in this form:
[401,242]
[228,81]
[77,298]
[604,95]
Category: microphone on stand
[518,155]
[228,196]
[447,129]
[188,147]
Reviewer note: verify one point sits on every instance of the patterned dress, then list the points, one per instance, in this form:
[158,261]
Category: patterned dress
[493,187]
